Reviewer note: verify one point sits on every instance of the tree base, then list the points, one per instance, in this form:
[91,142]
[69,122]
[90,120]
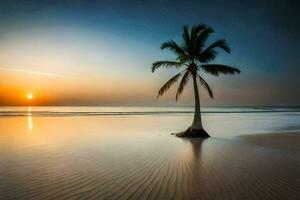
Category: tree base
[193,133]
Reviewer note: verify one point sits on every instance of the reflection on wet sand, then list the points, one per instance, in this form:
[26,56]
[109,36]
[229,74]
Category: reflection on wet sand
[29,119]
[113,158]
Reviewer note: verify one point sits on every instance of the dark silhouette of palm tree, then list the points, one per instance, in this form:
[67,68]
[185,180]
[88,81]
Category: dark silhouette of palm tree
[193,55]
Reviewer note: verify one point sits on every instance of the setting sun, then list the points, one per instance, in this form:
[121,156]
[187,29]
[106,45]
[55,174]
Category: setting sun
[29,96]
[151,99]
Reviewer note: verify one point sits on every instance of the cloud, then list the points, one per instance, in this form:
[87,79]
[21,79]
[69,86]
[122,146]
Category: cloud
[38,72]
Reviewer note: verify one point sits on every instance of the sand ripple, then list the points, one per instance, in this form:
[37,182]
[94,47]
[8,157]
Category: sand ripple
[165,167]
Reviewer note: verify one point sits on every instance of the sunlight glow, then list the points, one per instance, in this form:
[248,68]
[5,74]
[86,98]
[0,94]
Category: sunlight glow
[29,119]
[29,96]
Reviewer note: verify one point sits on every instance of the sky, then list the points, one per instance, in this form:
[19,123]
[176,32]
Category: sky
[100,52]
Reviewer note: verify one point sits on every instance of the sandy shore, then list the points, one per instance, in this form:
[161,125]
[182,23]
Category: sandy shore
[159,167]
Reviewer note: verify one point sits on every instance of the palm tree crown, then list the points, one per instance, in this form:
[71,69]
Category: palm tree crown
[194,55]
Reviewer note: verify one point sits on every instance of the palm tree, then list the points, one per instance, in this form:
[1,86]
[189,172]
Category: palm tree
[192,56]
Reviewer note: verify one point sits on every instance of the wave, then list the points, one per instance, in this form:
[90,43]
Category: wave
[84,113]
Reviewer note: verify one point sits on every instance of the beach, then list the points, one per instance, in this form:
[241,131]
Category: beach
[149,100]
[46,154]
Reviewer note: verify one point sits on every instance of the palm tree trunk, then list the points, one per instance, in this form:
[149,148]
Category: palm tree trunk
[197,123]
[196,129]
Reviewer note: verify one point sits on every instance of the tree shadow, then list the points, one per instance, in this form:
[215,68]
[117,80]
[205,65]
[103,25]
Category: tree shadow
[195,161]
[196,149]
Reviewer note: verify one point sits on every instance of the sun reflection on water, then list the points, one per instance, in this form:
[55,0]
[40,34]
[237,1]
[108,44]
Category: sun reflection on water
[29,119]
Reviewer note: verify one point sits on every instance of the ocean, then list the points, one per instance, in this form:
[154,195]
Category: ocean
[218,121]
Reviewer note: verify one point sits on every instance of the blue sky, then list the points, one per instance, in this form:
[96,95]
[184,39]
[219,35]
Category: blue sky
[118,40]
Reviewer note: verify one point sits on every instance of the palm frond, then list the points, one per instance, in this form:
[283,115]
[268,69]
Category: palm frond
[201,39]
[183,58]
[186,38]
[165,63]
[206,86]
[168,84]
[208,56]
[173,46]
[217,44]
[182,84]
[196,30]
[221,44]
[216,69]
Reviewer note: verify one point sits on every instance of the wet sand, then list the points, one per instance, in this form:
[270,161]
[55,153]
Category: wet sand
[54,165]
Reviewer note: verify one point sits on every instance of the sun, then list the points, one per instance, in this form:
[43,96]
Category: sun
[29,96]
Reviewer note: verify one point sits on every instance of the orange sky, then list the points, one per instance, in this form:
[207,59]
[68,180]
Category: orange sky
[54,89]
[59,90]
